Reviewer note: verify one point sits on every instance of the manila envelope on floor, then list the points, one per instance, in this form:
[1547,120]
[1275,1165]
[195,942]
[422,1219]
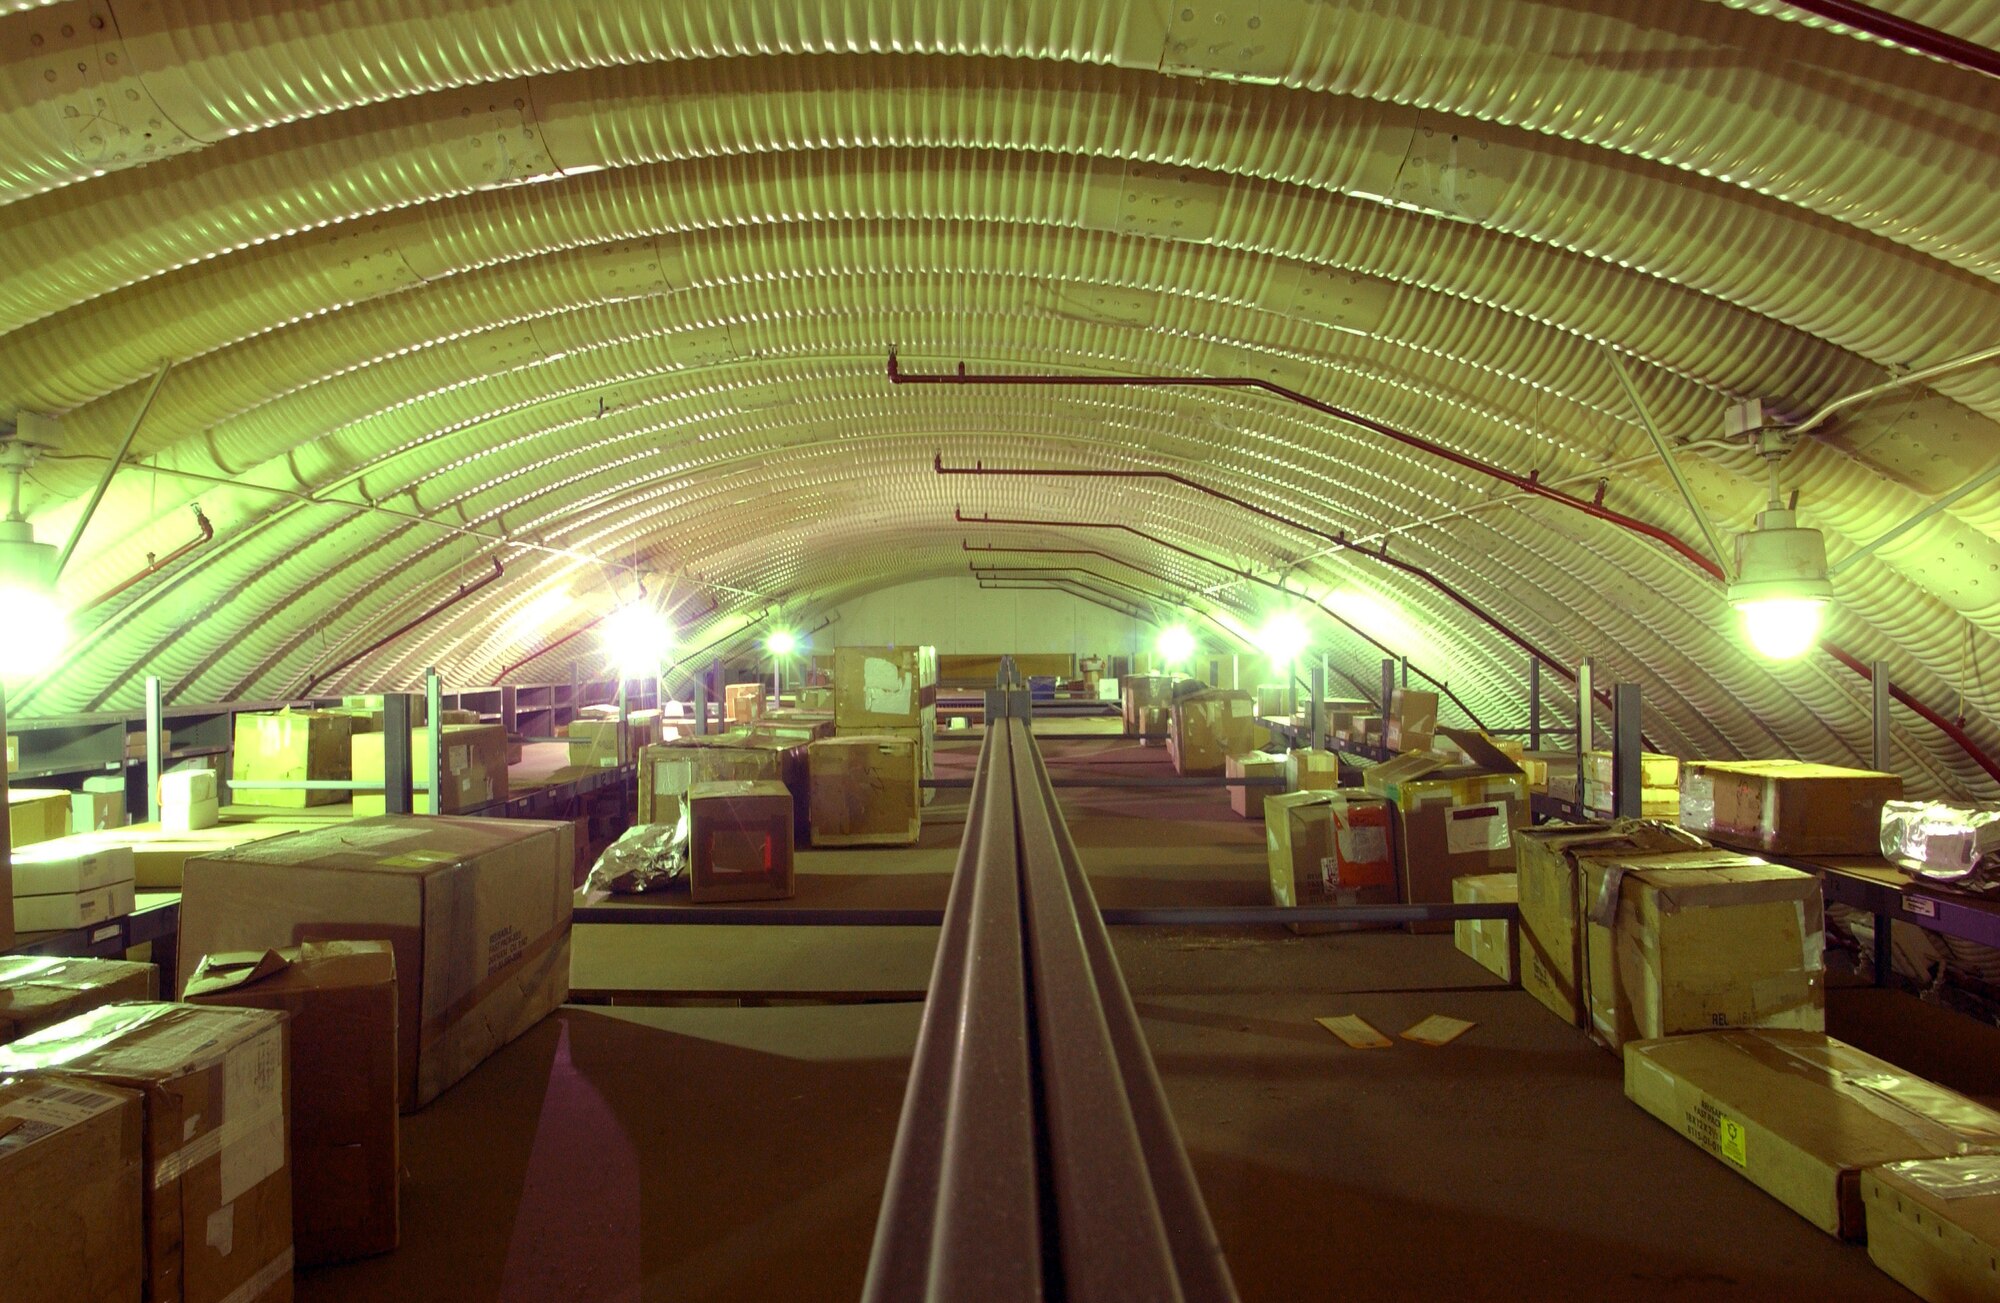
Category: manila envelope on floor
[72,1163]
[1801,1115]
[341,997]
[477,911]
[1451,820]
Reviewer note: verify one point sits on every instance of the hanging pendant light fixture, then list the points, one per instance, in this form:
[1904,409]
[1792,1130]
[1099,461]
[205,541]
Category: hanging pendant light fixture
[1781,589]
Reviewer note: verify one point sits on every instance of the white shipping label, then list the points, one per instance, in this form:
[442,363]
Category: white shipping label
[57,1106]
[1471,829]
[1363,845]
[885,689]
[253,1121]
[1329,875]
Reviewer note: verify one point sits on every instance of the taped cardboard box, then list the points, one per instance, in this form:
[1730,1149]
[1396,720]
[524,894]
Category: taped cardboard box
[69,865]
[1488,942]
[1934,1226]
[1329,848]
[38,991]
[477,911]
[1248,802]
[864,791]
[1210,726]
[594,743]
[1412,722]
[1274,701]
[1311,771]
[69,911]
[1800,1115]
[189,799]
[340,999]
[923,736]
[743,703]
[36,814]
[160,855]
[72,1167]
[1451,820]
[1700,940]
[1546,862]
[669,770]
[741,846]
[215,1084]
[100,805]
[290,746]
[883,687]
[1787,807]
[1655,770]
[1661,803]
[475,769]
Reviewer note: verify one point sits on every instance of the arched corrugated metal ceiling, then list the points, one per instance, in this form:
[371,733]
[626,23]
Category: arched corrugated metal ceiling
[589,287]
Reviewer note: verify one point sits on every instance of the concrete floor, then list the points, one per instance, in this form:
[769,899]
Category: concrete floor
[631,1153]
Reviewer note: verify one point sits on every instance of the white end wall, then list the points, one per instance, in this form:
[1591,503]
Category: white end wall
[958,617]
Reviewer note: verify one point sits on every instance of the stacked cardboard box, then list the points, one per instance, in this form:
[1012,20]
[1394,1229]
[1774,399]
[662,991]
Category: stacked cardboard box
[599,743]
[366,712]
[864,791]
[1934,1226]
[1488,941]
[1413,720]
[339,998]
[741,841]
[668,772]
[1329,848]
[1146,702]
[890,690]
[1248,802]
[216,1167]
[1451,820]
[36,814]
[1208,727]
[1548,861]
[475,769]
[1802,1115]
[290,746]
[477,911]
[1659,783]
[743,703]
[71,882]
[158,854]
[190,800]
[1353,725]
[72,1187]
[1787,807]
[1311,771]
[100,805]
[38,991]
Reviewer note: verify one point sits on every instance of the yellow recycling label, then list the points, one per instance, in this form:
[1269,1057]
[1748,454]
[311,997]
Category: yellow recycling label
[1730,1141]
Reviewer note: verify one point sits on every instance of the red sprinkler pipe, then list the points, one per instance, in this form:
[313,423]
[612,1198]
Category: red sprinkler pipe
[1005,572]
[155,564]
[1069,587]
[1914,36]
[464,591]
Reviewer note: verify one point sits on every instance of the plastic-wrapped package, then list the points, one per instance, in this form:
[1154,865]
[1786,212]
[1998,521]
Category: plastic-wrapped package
[1944,842]
[649,857]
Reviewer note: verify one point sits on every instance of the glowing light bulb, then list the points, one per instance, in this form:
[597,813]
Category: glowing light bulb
[1175,645]
[782,643]
[37,631]
[638,640]
[1282,639]
[1782,628]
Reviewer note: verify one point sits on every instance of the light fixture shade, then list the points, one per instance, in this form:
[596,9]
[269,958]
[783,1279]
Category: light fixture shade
[1781,587]
[37,629]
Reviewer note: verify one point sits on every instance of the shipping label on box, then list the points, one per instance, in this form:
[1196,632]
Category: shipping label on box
[71,1190]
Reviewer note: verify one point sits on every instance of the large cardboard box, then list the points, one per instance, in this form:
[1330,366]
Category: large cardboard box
[477,911]
[36,814]
[1249,801]
[1146,703]
[594,743]
[1546,861]
[1934,1226]
[475,769]
[1210,726]
[1451,820]
[1329,848]
[1655,770]
[743,703]
[218,1206]
[159,855]
[1700,940]
[1800,1114]
[1489,942]
[1312,771]
[340,997]
[72,1167]
[741,842]
[1413,720]
[69,865]
[1787,807]
[100,805]
[1661,803]
[38,991]
[883,687]
[289,746]
[864,791]
[669,771]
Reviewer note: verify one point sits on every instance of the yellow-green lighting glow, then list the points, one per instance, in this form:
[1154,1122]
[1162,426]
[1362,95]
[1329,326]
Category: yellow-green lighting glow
[782,643]
[1782,628]
[637,639]
[37,631]
[1175,646]
[1282,639]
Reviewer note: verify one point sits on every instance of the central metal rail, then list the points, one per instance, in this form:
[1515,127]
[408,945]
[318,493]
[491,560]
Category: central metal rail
[1036,1157]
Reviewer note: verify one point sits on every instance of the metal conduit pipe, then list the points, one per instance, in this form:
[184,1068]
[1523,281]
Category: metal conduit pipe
[1902,31]
[1529,483]
[464,591]
[1357,630]
[1015,572]
[1070,587]
[155,564]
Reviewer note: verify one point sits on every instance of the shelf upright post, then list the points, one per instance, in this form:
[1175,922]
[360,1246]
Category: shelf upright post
[397,797]
[155,753]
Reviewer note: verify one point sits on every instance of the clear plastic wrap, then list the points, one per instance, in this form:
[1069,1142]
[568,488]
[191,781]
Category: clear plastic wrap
[649,857]
[1944,842]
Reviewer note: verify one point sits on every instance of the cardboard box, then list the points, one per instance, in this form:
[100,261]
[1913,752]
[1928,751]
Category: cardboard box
[1146,704]
[100,805]
[68,865]
[594,743]
[36,814]
[475,769]
[1661,803]
[1489,942]
[1248,802]
[65,912]
[743,703]
[1787,807]
[1412,723]
[160,855]
[883,687]
[673,768]
[1210,726]
[1312,771]
[1655,770]
[217,1171]
[477,911]
[13,753]
[1800,1114]
[1451,820]
[291,746]
[72,1170]
[1934,1226]
[1700,940]
[794,727]
[135,744]
[1546,862]
[1274,701]
[742,842]
[1329,848]
[38,991]
[864,791]
[923,737]
[341,1000]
